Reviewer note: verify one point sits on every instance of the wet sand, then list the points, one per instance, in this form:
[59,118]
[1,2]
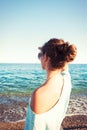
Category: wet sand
[12,126]
[77,105]
[75,122]
[12,115]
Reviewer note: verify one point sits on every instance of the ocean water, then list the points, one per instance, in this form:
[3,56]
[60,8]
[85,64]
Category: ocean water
[23,79]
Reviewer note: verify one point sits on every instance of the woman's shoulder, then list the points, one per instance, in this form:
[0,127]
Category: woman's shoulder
[41,100]
[38,100]
[44,98]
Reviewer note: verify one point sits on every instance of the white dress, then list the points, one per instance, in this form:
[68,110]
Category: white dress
[52,119]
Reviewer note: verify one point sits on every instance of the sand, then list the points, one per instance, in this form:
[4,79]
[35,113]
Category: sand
[12,115]
[75,122]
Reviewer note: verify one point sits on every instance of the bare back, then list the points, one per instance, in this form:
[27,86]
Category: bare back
[46,96]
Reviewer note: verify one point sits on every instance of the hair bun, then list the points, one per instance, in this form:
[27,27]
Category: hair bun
[64,47]
[71,53]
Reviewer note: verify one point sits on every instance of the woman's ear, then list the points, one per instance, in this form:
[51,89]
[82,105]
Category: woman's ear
[46,58]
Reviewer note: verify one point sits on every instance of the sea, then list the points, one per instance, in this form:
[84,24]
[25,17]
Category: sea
[18,81]
[23,79]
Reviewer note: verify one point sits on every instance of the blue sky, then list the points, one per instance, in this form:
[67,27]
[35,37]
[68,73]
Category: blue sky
[27,24]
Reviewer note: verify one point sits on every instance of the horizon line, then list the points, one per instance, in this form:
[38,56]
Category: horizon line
[30,63]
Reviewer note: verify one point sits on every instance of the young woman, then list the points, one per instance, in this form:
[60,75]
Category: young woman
[49,102]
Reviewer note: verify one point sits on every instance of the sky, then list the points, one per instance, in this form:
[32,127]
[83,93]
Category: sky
[27,24]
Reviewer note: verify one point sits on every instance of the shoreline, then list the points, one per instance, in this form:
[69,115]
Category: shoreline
[15,108]
[13,112]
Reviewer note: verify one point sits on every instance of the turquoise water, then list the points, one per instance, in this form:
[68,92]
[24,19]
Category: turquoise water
[23,79]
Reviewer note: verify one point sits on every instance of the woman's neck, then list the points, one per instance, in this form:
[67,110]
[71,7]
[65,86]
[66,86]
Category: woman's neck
[53,73]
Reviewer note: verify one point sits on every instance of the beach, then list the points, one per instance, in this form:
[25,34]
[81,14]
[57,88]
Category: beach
[12,116]
[75,122]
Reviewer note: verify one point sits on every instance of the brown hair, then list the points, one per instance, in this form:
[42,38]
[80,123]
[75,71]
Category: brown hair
[59,52]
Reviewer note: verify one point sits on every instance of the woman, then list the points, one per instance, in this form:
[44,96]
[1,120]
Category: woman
[49,102]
